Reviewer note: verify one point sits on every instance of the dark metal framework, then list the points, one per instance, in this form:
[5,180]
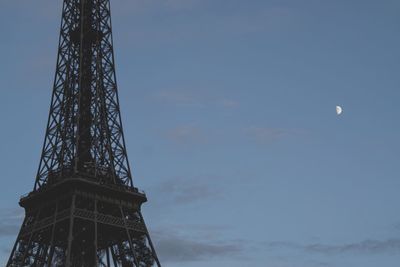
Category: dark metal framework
[84,210]
[84,132]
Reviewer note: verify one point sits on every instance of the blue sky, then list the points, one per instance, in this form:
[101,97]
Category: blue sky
[229,115]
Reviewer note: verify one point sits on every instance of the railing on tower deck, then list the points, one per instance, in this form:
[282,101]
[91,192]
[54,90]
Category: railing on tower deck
[102,178]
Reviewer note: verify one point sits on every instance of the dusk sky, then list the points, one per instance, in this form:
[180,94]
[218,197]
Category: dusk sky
[229,116]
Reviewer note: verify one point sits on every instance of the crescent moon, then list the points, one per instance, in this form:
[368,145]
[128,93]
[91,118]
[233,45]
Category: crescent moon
[339,110]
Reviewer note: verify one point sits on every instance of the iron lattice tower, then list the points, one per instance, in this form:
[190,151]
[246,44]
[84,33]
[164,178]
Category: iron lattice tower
[84,210]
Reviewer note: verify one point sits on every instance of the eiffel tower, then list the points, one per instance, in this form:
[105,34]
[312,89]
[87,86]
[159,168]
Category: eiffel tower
[84,210]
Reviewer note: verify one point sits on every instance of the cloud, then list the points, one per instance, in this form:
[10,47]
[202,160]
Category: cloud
[363,247]
[186,134]
[179,98]
[5,250]
[267,135]
[185,191]
[229,103]
[272,19]
[172,246]
[138,6]
[206,18]
[8,229]
[11,221]
[195,99]
[181,4]
[180,250]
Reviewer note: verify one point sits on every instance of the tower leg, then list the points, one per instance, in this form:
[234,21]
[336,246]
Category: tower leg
[53,229]
[131,247]
[71,229]
[16,244]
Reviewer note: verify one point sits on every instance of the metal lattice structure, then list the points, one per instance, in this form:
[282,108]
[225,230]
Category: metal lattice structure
[84,132]
[84,209]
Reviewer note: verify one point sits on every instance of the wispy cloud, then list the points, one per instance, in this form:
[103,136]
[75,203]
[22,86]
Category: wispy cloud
[362,247]
[10,221]
[187,191]
[151,5]
[184,134]
[266,135]
[195,99]
[175,249]
[229,103]
[174,246]
[181,4]
[179,98]
[8,229]
[192,134]
[270,19]
[254,18]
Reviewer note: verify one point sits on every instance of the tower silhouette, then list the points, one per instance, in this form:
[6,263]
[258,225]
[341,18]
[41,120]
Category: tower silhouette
[84,210]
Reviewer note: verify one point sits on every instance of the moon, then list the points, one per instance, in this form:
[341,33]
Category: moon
[339,110]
